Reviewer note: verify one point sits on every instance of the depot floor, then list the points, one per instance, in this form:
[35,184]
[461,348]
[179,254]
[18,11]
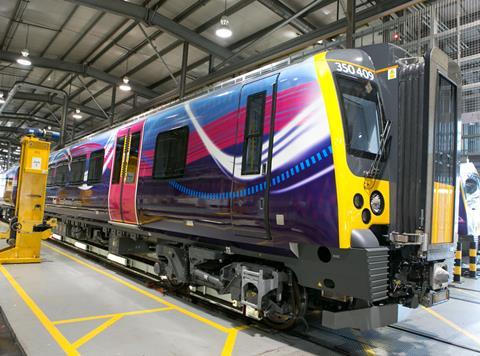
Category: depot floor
[71,305]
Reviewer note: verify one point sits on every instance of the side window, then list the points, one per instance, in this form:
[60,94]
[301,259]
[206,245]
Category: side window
[51,175]
[171,153]
[62,173]
[133,158]
[95,166]
[117,166]
[252,144]
[77,170]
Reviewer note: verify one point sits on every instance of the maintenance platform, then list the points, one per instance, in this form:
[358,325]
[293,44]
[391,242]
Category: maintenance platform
[72,305]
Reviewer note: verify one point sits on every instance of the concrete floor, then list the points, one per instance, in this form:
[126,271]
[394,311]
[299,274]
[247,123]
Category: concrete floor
[70,305]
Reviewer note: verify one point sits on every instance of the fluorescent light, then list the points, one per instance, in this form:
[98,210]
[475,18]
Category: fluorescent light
[224,31]
[23,60]
[2,100]
[125,86]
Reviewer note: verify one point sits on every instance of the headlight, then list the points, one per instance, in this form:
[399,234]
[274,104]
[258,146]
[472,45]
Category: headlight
[366,216]
[358,201]
[377,203]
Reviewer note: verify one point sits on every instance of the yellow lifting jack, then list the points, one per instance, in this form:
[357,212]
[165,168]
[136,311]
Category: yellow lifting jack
[27,228]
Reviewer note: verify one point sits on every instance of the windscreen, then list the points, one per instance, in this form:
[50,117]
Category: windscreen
[359,99]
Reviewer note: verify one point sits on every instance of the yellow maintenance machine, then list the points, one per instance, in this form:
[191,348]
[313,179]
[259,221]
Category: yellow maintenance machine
[27,228]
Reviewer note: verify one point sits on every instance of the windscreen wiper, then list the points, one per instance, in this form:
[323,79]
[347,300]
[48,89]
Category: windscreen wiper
[374,170]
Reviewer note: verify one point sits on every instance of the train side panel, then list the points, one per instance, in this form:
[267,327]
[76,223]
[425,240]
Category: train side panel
[303,203]
[183,201]
[84,198]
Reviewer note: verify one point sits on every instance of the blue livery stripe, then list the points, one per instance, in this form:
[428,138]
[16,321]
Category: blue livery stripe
[259,187]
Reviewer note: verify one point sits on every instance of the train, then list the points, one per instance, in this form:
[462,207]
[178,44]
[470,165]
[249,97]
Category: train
[469,213]
[327,183]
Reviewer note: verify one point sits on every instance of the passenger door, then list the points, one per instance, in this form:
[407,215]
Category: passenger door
[251,184]
[122,198]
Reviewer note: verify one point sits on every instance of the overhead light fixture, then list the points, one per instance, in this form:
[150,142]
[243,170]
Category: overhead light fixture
[125,86]
[320,41]
[224,30]
[2,100]
[77,114]
[24,60]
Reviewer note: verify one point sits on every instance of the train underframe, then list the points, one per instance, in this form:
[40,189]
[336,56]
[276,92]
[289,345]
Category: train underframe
[360,290]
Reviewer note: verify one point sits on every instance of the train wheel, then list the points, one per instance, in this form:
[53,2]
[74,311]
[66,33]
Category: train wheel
[297,307]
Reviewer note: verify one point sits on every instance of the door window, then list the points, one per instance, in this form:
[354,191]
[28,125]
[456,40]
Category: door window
[252,144]
[133,158]
[445,130]
[117,166]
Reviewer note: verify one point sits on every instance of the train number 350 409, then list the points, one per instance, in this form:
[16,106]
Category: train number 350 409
[350,69]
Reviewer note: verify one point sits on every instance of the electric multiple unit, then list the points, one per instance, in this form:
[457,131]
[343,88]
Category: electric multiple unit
[327,184]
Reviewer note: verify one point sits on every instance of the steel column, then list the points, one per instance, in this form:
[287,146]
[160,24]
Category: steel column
[9,154]
[183,76]
[112,105]
[349,40]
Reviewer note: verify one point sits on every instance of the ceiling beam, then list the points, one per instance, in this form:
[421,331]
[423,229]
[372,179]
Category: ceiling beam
[152,18]
[17,116]
[285,12]
[194,65]
[283,49]
[12,24]
[104,45]
[78,68]
[54,100]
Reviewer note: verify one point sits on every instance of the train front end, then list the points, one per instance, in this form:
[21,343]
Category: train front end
[394,140]
[421,99]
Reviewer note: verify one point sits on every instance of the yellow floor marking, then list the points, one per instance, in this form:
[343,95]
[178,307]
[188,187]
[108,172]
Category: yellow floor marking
[231,338]
[46,322]
[106,316]
[87,337]
[366,348]
[452,324]
[141,291]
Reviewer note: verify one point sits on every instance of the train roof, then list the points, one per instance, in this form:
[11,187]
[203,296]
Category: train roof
[254,74]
